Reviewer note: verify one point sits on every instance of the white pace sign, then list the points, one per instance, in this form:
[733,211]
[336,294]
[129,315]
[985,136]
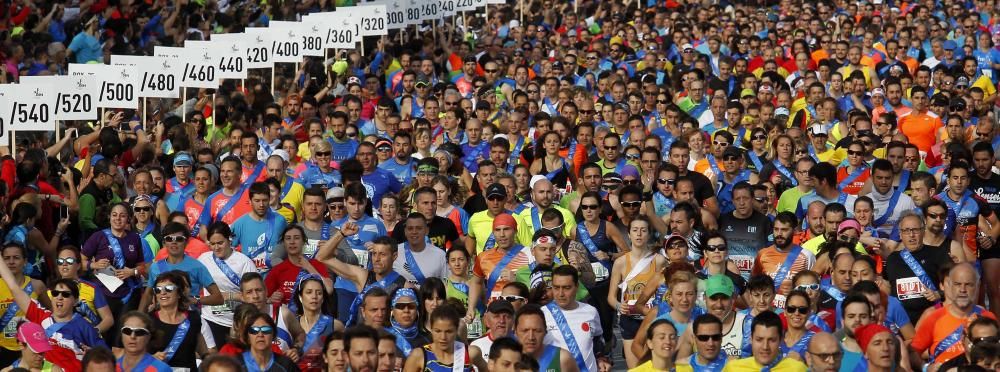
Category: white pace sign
[75,97]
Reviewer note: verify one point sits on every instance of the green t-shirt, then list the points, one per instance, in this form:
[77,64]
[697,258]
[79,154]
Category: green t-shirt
[789,200]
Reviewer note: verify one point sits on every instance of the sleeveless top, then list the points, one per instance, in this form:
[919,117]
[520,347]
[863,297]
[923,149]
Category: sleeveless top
[601,239]
[634,287]
[560,176]
[732,341]
[275,312]
[431,364]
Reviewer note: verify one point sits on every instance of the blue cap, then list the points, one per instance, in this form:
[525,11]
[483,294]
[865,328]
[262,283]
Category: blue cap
[183,158]
[950,45]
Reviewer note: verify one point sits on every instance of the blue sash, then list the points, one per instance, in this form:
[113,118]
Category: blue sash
[714,366]
[226,270]
[317,330]
[951,221]
[401,342]
[834,292]
[917,270]
[229,203]
[758,165]
[412,263]
[571,151]
[801,344]
[179,336]
[499,268]
[288,186]
[548,103]
[547,355]
[116,249]
[183,190]
[584,237]
[267,239]
[904,178]
[55,327]
[954,337]
[144,363]
[745,347]
[490,242]
[739,137]
[851,177]
[552,175]
[281,332]
[567,333]
[256,173]
[786,266]
[251,364]
[819,323]
[784,172]
[715,166]
[536,221]
[812,153]
[515,155]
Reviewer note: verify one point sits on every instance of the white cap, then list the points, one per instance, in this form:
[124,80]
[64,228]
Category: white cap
[282,153]
[535,179]
[514,23]
[818,129]
[686,46]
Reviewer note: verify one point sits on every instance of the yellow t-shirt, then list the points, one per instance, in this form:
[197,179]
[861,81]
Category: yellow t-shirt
[750,364]
[294,196]
[8,340]
[526,229]
[648,367]
[480,228]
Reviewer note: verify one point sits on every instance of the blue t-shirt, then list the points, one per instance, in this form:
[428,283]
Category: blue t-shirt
[343,150]
[377,183]
[257,239]
[369,228]
[196,272]
[314,176]
[86,48]
[475,154]
[404,173]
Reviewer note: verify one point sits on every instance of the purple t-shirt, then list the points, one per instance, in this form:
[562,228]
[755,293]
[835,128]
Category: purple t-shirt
[97,248]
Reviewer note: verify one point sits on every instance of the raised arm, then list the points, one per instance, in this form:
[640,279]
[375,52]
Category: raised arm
[327,255]
[21,298]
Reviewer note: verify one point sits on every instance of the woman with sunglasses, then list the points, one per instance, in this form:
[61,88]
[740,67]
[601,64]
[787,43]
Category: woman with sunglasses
[311,306]
[259,356]
[23,232]
[468,288]
[798,309]
[403,321]
[716,252]
[61,323]
[629,276]
[758,149]
[92,305]
[136,332]
[548,162]
[227,268]
[321,171]
[443,353]
[104,250]
[182,327]
[334,354]
[851,178]
[145,225]
[819,320]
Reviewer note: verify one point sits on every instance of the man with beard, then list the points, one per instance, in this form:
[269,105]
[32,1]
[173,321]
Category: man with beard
[719,290]
[978,332]
[292,123]
[766,336]
[914,267]
[707,331]
[361,346]
[784,259]
[937,329]
[744,228]
[499,322]
[253,168]
[401,165]
[823,353]
[343,147]
[530,329]
[986,185]
[935,215]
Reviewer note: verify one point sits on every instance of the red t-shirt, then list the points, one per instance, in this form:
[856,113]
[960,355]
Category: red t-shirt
[283,277]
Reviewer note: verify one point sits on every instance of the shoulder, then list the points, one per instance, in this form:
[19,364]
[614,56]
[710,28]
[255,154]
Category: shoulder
[792,365]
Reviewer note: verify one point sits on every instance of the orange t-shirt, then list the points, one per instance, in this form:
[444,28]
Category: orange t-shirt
[488,260]
[769,260]
[921,129]
[854,187]
[939,324]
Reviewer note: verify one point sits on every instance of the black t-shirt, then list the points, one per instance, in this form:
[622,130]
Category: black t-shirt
[745,237]
[988,189]
[440,230]
[703,188]
[475,204]
[905,281]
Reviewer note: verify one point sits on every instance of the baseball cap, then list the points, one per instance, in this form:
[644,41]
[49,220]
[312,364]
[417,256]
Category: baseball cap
[383,143]
[719,284]
[747,93]
[33,335]
[282,154]
[848,224]
[672,237]
[878,92]
[949,45]
[496,189]
[818,129]
[612,177]
[622,106]
[732,151]
[957,104]
[962,81]
[500,306]
[335,193]
[183,158]
[687,46]
[557,65]
[353,80]
[781,111]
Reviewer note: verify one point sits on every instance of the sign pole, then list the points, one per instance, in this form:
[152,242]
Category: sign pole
[211,133]
[273,68]
[59,138]
[144,110]
[184,114]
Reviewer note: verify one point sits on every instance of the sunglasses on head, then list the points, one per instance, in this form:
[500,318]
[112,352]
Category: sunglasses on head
[255,330]
[169,288]
[512,298]
[135,332]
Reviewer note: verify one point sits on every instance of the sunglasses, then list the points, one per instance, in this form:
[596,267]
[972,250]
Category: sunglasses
[352,135]
[630,182]
[591,207]
[588,112]
[495,198]
[797,309]
[721,144]
[406,306]
[169,288]
[66,261]
[174,239]
[715,248]
[667,181]
[662,101]
[730,158]
[936,216]
[855,153]
[612,148]
[512,298]
[759,138]
[384,149]
[142,209]
[631,204]
[988,339]
[135,332]
[336,206]
[632,156]
[532,91]
[492,71]
[324,153]
[63,294]
[256,330]
[705,338]
[760,199]
[811,287]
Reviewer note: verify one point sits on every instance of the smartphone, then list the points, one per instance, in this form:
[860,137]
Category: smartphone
[63,212]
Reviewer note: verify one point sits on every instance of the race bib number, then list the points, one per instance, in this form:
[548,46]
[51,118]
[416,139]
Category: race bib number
[600,272]
[779,301]
[910,288]
[362,255]
[744,263]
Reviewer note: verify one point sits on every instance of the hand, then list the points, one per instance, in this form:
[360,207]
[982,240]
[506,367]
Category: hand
[985,241]
[349,229]
[601,256]
[117,119]
[931,296]
[293,354]
[161,355]
[625,309]
[101,264]
[469,316]
[124,273]
[63,224]
[276,297]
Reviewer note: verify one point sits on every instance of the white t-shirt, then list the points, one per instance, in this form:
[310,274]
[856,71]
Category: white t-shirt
[241,264]
[585,324]
[484,344]
[432,262]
